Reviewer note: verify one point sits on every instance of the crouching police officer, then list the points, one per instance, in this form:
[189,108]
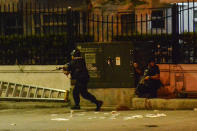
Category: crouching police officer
[77,68]
[150,82]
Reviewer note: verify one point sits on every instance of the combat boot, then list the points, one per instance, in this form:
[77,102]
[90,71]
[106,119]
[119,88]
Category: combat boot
[98,105]
[75,107]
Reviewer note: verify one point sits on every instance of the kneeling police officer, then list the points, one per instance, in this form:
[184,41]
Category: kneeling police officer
[77,68]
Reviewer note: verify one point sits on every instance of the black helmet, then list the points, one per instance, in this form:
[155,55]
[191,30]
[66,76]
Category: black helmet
[75,53]
[151,59]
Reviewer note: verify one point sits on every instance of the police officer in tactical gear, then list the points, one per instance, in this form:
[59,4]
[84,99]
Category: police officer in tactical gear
[79,72]
[150,82]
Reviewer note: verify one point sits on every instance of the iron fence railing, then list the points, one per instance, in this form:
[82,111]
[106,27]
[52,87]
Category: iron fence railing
[171,31]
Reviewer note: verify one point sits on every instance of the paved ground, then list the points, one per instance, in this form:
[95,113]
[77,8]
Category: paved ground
[87,120]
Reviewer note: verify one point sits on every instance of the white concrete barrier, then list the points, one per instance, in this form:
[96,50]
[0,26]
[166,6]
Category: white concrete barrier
[39,75]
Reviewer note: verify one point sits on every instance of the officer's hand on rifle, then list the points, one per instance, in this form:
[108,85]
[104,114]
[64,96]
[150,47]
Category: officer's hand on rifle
[147,78]
[65,70]
[62,68]
[59,68]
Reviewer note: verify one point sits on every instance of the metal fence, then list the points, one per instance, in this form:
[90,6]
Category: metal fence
[37,33]
[170,31]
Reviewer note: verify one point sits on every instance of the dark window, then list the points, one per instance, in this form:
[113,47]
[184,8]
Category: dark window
[13,23]
[37,30]
[53,18]
[195,22]
[128,23]
[46,29]
[157,19]
[46,19]
[195,26]
[37,20]
[1,24]
[195,13]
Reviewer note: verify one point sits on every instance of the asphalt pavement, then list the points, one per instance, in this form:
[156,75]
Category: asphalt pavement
[64,119]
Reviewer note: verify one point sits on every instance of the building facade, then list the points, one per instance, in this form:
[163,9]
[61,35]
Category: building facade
[48,16]
[26,17]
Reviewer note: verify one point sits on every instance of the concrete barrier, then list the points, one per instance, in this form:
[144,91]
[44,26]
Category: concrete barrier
[119,98]
[39,75]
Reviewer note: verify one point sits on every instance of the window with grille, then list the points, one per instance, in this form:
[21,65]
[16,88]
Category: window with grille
[13,23]
[157,19]
[37,19]
[127,23]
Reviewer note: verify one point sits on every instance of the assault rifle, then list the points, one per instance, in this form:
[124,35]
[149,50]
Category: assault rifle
[64,69]
[61,68]
[142,81]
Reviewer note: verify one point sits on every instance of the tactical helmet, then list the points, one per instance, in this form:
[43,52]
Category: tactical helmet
[76,53]
[151,59]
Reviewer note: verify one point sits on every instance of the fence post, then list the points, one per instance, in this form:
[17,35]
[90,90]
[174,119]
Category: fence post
[1,22]
[175,34]
[69,30]
[84,23]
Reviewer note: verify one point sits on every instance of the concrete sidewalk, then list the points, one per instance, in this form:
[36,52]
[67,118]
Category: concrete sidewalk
[136,104]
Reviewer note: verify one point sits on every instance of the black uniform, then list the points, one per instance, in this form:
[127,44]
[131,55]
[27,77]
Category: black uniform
[137,77]
[79,72]
[149,87]
[153,85]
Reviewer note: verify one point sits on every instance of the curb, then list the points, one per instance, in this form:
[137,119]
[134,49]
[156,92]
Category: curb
[31,105]
[164,104]
[137,104]
[44,105]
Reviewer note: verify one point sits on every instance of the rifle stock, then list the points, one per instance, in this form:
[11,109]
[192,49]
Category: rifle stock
[142,80]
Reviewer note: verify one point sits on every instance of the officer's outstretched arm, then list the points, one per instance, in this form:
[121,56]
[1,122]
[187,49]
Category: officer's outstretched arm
[66,72]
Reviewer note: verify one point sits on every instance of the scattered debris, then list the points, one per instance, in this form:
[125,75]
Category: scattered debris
[13,124]
[102,117]
[96,112]
[53,114]
[155,115]
[106,113]
[137,116]
[71,113]
[151,115]
[161,114]
[59,119]
[128,118]
[81,114]
[147,115]
[112,118]
[113,112]
[90,118]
